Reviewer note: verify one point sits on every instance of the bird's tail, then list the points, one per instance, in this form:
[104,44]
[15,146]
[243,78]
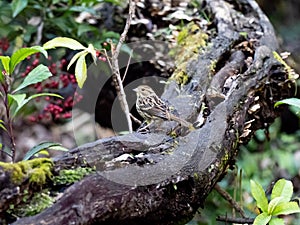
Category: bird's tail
[182,122]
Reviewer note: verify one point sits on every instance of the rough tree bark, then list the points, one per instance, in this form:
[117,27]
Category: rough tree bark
[170,180]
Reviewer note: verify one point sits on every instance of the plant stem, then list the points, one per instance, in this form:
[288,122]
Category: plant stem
[115,67]
[9,122]
[11,136]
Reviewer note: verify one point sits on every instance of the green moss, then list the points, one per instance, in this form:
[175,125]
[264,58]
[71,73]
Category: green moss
[71,176]
[212,67]
[190,40]
[181,77]
[36,170]
[38,203]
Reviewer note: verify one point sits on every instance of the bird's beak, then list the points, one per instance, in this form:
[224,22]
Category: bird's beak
[135,89]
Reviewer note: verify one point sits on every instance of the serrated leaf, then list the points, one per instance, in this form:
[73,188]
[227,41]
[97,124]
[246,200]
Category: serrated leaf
[286,208]
[38,74]
[75,57]
[289,101]
[5,62]
[63,42]
[22,54]
[81,71]
[282,188]
[38,148]
[276,221]
[273,203]
[259,195]
[17,6]
[262,219]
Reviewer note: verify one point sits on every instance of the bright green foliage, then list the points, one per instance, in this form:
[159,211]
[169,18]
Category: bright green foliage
[38,74]
[71,176]
[10,63]
[280,203]
[63,42]
[262,219]
[13,101]
[259,195]
[81,67]
[22,54]
[294,102]
[21,100]
[284,189]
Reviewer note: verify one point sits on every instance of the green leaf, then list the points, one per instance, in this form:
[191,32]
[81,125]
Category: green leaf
[18,98]
[21,101]
[273,203]
[38,74]
[282,188]
[92,51]
[38,148]
[276,221]
[75,57]
[63,42]
[22,54]
[259,195]
[262,219]
[286,208]
[5,62]
[59,148]
[81,71]
[17,6]
[289,101]
[2,126]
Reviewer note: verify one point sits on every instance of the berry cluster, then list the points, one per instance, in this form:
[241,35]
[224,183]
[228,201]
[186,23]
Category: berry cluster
[62,83]
[4,45]
[100,56]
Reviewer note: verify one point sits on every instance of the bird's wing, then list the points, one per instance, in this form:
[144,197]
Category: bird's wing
[157,108]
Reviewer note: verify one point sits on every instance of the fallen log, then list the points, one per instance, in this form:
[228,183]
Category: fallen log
[230,91]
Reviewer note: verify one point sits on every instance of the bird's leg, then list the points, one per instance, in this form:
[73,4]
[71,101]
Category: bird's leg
[145,128]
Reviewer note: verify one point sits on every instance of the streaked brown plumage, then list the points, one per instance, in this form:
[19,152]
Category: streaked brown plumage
[151,107]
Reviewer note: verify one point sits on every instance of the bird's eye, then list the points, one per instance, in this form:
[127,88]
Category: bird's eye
[143,89]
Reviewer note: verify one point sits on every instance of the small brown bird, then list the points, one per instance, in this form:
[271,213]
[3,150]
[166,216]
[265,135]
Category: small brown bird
[151,107]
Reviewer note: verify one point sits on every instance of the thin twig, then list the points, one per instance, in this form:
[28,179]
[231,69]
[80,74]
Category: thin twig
[231,201]
[127,65]
[115,66]
[107,58]
[235,220]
